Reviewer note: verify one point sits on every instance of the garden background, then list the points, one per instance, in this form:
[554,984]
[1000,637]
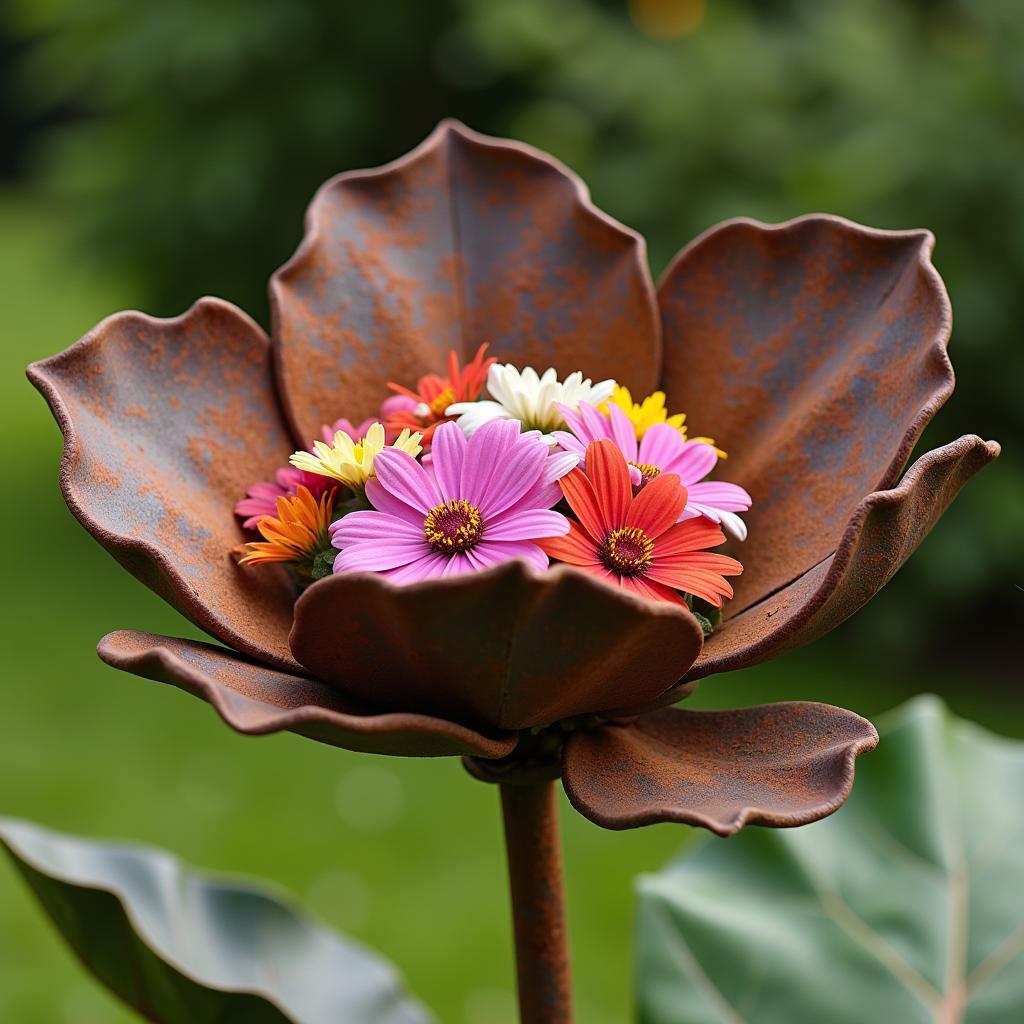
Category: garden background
[152,152]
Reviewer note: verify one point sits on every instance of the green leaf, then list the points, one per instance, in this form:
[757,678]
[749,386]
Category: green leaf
[182,947]
[905,906]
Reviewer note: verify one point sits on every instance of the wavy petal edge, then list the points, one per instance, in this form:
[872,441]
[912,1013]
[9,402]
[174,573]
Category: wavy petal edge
[926,246]
[313,234]
[598,763]
[886,318]
[144,560]
[156,657]
[962,459]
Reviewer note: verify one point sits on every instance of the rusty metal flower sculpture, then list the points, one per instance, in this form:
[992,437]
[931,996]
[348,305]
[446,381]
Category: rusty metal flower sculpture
[814,350]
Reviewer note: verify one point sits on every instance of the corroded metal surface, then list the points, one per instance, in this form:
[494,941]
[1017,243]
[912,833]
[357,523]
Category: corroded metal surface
[166,422]
[505,648]
[255,699]
[467,239]
[536,881]
[778,764]
[815,353]
[884,530]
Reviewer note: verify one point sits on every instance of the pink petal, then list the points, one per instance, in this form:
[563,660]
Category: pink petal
[488,553]
[489,448]
[513,477]
[720,494]
[397,403]
[569,442]
[377,555]
[367,525]
[401,475]
[458,563]
[428,566]
[596,425]
[575,423]
[531,524]
[448,454]
[384,501]
[659,446]
[692,462]
[558,464]
[623,433]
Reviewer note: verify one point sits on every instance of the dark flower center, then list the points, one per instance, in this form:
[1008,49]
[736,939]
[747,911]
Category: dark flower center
[453,527]
[627,551]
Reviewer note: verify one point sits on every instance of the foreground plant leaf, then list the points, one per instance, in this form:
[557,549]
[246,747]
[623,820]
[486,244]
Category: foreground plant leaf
[905,906]
[181,947]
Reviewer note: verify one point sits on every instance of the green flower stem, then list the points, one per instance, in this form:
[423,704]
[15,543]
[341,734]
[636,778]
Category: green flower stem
[536,881]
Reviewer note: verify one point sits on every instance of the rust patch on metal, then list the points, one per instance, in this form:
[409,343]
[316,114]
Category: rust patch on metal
[815,352]
[778,764]
[536,883]
[255,699]
[158,490]
[467,239]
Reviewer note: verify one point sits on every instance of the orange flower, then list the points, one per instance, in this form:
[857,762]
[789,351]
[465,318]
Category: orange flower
[298,533]
[434,394]
[636,542]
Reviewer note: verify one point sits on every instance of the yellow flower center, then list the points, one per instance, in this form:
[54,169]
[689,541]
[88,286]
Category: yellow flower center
[627,551]
[647,471]
[438,406]
[453,527]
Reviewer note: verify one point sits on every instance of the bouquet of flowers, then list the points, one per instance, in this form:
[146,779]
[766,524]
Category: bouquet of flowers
[448,481]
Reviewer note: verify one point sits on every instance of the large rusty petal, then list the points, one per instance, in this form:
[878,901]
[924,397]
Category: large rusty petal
[166,422]
[255,700]
[880,536]
[467,239]
[504,648]
[776,764]
[815,353]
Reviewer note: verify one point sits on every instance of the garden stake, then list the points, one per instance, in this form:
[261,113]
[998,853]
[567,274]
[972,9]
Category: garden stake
[534,851]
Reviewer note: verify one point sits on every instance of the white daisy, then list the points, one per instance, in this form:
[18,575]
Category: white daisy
[530,399]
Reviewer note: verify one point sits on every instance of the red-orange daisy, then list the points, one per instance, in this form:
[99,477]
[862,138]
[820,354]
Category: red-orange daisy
[435,393]
[636,541]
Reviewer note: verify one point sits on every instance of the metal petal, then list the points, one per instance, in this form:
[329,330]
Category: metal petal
[776,764]
[882,533]
[506,647]
[467,239]
[815,353]
[166,422]
[255,700]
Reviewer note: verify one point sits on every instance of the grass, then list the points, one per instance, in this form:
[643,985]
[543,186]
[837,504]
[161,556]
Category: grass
[403,855]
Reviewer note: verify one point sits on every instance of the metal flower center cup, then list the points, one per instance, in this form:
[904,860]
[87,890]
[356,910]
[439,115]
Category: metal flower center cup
[453,527]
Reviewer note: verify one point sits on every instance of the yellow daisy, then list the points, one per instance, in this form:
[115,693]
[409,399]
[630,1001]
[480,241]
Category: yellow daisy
[351,462]
[651,410]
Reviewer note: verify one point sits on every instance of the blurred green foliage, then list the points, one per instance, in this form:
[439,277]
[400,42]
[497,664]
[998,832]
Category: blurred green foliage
[174,145]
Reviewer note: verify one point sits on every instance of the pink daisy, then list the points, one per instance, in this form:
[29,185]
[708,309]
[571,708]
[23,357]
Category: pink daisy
[261,498]
[662,449]
[484,501]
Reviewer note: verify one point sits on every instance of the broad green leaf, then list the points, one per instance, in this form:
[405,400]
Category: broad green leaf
[905,907]
[182,947]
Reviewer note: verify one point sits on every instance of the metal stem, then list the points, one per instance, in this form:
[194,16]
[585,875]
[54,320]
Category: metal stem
[538,901]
